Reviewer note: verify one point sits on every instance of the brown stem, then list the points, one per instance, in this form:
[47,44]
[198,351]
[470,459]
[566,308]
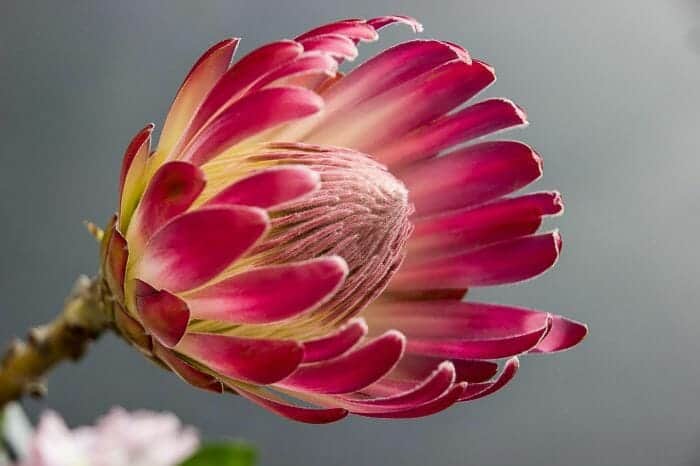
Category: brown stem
[25,364]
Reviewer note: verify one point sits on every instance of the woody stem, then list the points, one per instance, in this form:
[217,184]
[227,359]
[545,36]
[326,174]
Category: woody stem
[24,366]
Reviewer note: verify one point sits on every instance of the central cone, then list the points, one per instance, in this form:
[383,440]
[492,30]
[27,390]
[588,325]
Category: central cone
[360,212]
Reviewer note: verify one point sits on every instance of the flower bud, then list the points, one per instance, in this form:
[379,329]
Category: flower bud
[299,232]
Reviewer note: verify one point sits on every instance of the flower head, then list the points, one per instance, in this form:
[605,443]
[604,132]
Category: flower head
[141,438]
[300,233]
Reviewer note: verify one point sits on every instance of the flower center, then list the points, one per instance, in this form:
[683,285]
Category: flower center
[360,212]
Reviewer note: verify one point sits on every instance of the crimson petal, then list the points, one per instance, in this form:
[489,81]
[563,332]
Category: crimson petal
[163,314]
[196,246]
[335,344]
[497,264]
[261,361]
[295,413]
[352,371]
[269,294]
[269,188]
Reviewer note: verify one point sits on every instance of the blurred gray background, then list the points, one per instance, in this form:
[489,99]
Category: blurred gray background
[612,90]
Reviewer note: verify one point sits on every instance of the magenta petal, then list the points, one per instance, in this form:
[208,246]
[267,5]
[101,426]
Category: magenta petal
[382,21]
[186,372]
[471,175]
[456,319]
[269,294]
[477,349]
[137,144]
[240,77]
[475,121]
[439,404]
[133,181]
[355,29]
[434,386]
[269,188]
[506,262]
[163,314]
[310,63]
[253,360]
[197,84]
[173,188]
[387,70]
[196,246]
[352,371]
[459,230]
[480,390]
[564,334]
[248,116]
[335,344]
[336,45]
[295,413]
[413,367]
[391,114]
[453,329]
[115,267]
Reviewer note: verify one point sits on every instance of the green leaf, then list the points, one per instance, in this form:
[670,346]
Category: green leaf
[223,454]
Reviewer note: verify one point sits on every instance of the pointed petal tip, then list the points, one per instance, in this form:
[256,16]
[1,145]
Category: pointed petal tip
[564,335]
[381,21]
[520,112]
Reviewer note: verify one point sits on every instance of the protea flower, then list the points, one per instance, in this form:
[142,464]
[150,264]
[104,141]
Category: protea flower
[300,234]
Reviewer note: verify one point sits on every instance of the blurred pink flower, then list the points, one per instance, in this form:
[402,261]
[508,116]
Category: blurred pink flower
[120,438]
[301,233]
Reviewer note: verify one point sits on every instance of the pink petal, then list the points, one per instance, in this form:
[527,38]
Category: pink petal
[471,176]
[335,344]
[133,181]
[295,413]
[240,77]
[439,404]
[269,188]
[135,146]
[349,372]
[456,319]
[196,246]
[506,262]
[397,65]
[251,115]
[382,21]
[480,390]
[205,73]
[478,120]
[465,229]
[564,334]
[310,63]
[171,191]
[260,361]
[414,367]
[336,45]
[186,372]
[434,386]
[401,109]
[460,330]
[163,314]
[495,348]
[115,267]
[269,294]
[355,29]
